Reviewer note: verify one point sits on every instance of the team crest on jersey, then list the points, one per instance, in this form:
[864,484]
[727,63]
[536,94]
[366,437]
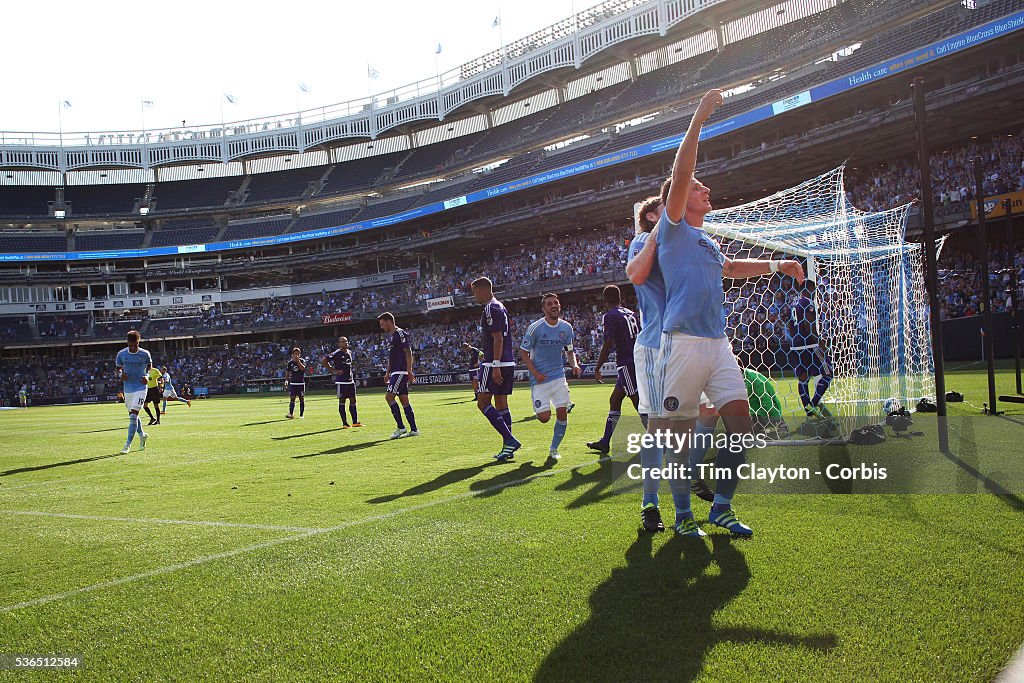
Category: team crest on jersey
[538,403]
[563,335]
[671,404]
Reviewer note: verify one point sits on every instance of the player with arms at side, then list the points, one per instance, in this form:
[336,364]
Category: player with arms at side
[541,351]
[339,362]
[295,382]
[496,373]
[133,364]
[399,375]
[695,354]
[154,391]
[621,328]
[808,355]
[23,396]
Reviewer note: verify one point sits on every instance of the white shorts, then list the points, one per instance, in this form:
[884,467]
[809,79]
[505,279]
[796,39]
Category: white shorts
[645,359]
[553,393]
[170,393]
[691,366]
[136,399]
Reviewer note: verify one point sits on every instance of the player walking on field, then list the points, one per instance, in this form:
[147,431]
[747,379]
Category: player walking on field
[133,365]
[541,351]
[295,382]
[399,374]
[496,372]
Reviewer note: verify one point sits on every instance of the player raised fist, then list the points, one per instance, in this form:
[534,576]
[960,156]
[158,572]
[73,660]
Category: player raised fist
[708,104]
[793,269]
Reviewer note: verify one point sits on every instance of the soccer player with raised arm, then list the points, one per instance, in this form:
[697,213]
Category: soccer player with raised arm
[295,382]
[695,354]
[170,392]
[541,351]
[621,327]
[399,375]
[133,364]
[496,373]
[339,362]
[807,355]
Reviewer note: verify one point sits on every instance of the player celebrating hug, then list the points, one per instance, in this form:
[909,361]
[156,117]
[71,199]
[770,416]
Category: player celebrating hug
[695,354]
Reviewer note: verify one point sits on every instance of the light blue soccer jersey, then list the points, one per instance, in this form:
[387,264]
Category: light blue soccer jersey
[692,265]
[545,343]
[134,365]
[650,296]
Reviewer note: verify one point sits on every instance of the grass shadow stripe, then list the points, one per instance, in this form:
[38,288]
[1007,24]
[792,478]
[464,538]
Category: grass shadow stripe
[151,520]
[205,559]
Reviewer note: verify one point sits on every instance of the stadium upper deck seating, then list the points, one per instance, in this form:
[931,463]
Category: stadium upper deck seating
[118,239]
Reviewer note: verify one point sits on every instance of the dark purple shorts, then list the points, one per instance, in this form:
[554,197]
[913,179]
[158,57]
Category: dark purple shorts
[346,390]
[626,379]
[398,384]
[297,389]
[487,385]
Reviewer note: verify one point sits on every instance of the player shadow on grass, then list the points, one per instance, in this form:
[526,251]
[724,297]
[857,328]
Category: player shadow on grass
[109,429]
[297,436]
[509,478]
[343,449]
[264,422]
[80,461]
[600,482]
[964,449]
[439,482]
[654,618]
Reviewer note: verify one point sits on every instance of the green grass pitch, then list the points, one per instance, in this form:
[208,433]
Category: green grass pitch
[244,546]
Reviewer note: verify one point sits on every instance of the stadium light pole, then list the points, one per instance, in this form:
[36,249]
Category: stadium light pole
[932,275]
[986,287]
[1011,240]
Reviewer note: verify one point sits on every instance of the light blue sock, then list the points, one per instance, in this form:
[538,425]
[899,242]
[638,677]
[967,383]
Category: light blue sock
[699,449]
[133,426]
[556,438]
[650,458]
[680,487]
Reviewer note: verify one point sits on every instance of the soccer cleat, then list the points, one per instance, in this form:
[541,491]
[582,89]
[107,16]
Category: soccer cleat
[727,520]
[508,452]
[188,403]
[823,410]
[151,422]
[699,488]
[125,450]
[553,454]
[398,433]
[357,424]
[650,519]
[689,528]
[143,437]
[571,406]
[414,432]
[599,446]
[813,411]
[290,416]
[302,417]
[345,427]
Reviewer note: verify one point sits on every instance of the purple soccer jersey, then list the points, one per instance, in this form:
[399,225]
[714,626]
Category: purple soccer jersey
[495,319]
[296,375]
[801,324]
[341,361]
[622,327]
[398,343]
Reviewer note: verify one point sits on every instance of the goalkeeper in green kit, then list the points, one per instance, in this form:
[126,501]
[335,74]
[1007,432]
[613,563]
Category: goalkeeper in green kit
[765,409]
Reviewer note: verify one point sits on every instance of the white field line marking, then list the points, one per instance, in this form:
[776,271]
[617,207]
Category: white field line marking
[159,571]
[1014,671]
[150,520]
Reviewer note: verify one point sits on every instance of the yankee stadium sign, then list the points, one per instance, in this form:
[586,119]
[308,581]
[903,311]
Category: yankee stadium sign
[331,318]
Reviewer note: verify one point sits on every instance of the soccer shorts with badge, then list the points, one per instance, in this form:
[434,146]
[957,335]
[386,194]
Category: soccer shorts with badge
[398,383]
[135,400]
[170,393]
[689,366]
[346,390]
[153,395]
[552,393]
[296,390]
[486,383]
[648,387]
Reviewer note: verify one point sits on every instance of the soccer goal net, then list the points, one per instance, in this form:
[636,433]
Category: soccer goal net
[826,358]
